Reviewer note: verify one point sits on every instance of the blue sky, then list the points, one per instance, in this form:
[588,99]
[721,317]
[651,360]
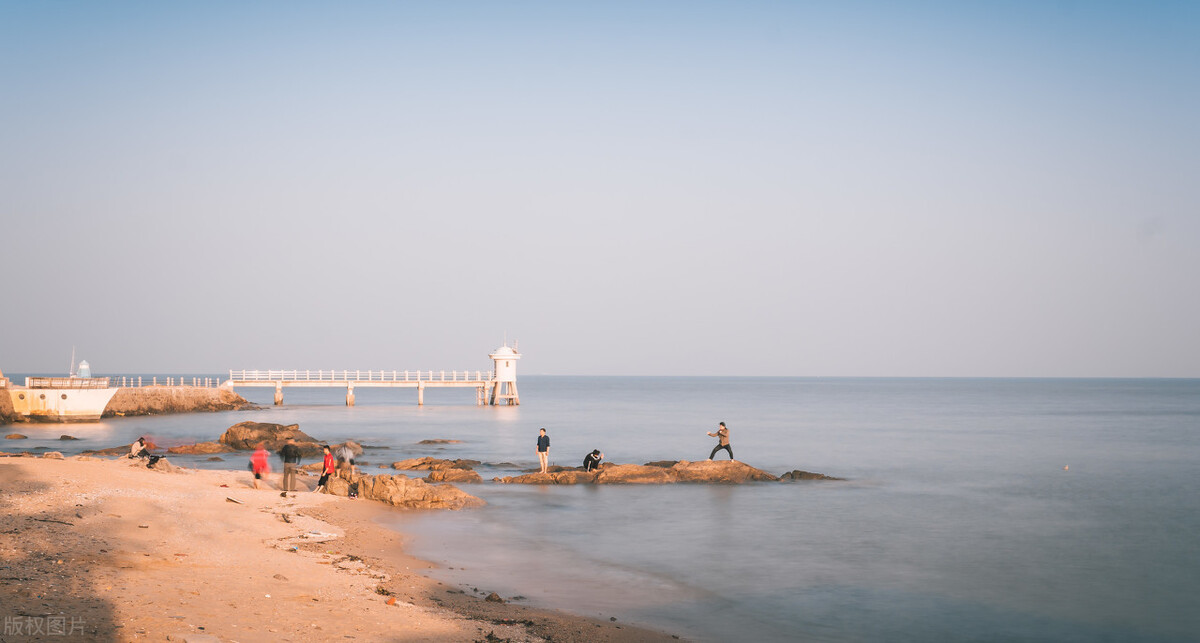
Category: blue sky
[752,188]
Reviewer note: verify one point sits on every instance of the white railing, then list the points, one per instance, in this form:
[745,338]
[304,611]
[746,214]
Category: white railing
[130,381]
[360,376]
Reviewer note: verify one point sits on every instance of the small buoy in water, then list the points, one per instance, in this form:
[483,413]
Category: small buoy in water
[1066,468]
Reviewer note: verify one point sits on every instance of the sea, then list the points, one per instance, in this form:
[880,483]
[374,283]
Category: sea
[967,510]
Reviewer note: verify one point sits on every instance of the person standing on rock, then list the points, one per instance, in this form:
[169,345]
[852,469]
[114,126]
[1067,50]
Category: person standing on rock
[259,464]
[291,462]
[722,436]
[543,448]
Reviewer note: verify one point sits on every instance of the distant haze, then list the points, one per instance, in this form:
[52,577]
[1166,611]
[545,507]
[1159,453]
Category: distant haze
[675,188]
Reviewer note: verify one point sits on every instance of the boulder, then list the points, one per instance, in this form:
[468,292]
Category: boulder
[402,491]
[53,455]
[246,436]
[634,474]
[453,475]
[15,436]
[433,464]
[569,476]
[201,448]
[67,437]
[719,472]
[164,465]
[354,447]
[806,475]
[666,464]
[110,451]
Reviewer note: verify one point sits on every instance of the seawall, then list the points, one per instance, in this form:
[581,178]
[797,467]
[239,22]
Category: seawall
[158,400]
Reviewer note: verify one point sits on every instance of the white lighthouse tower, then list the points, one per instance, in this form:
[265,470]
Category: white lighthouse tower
[504,379]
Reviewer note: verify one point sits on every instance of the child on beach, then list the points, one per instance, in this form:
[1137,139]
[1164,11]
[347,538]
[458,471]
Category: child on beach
[259,463]
[326,470]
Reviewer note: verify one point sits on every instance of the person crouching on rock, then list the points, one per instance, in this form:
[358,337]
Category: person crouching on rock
[591,461]
[291,462]
[259,463]
[139,449]
[327,469]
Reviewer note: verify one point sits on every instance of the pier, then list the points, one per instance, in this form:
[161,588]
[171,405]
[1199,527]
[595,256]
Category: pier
[495,387]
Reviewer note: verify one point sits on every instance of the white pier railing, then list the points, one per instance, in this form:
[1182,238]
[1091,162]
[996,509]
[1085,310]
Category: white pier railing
[359,376]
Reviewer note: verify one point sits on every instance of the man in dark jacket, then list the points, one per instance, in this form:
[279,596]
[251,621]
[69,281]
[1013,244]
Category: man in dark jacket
[291,461]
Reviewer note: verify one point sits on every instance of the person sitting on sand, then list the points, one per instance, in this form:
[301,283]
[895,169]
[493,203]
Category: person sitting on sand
[139,449]
[259,463]
[722,436]
[327,469]
[591,461]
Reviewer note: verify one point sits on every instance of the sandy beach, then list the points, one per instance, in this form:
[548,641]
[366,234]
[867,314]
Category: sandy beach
[98,549]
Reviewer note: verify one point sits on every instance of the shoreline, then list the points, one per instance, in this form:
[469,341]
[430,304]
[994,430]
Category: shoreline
[111,550]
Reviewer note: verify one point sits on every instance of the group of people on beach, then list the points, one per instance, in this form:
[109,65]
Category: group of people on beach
[291,454]
[591,461]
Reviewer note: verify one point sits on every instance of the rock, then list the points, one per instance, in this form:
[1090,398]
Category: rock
[246,436]
[433,464]
[16,436]
[494,598]
[110,451]
[402,491]
[453,475]
[67,437]
[164,465]
[440,442]
[354,447]
[633,474]
[201,448]
[806,475]
[666,464]
[53,455]
[707,472]
[719,472]
[215,458]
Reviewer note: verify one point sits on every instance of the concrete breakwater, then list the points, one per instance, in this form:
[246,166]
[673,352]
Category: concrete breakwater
[158,400]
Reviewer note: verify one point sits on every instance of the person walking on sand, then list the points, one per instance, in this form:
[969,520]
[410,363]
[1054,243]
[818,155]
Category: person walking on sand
[722,436]
[543,448]
[291,462]
[327,469]
[259,464]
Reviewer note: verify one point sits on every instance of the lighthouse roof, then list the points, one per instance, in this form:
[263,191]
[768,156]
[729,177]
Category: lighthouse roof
[504,351]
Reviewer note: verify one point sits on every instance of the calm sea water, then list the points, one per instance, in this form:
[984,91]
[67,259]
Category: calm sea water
[974,509]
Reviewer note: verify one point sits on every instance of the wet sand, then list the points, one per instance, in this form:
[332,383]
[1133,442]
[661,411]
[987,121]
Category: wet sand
[95,549]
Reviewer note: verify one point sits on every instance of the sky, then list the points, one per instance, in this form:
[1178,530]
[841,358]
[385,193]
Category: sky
[945,189]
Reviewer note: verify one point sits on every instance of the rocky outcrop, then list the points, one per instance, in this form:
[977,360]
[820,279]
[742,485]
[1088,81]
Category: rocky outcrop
[158,400]
[402,491]
[454,475]
[806,475]
[200,448]
[246,436]
[433,464]
[15,436]
[703,472]
[7,413]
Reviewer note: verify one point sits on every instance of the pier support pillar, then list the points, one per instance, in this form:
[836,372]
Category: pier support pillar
[349,396]
[278,393]
[478,396]
[420,393]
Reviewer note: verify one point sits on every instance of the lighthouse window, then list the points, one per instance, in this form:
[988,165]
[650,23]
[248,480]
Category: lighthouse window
[507,364]
[20,396]
[42,396]
[64,396]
